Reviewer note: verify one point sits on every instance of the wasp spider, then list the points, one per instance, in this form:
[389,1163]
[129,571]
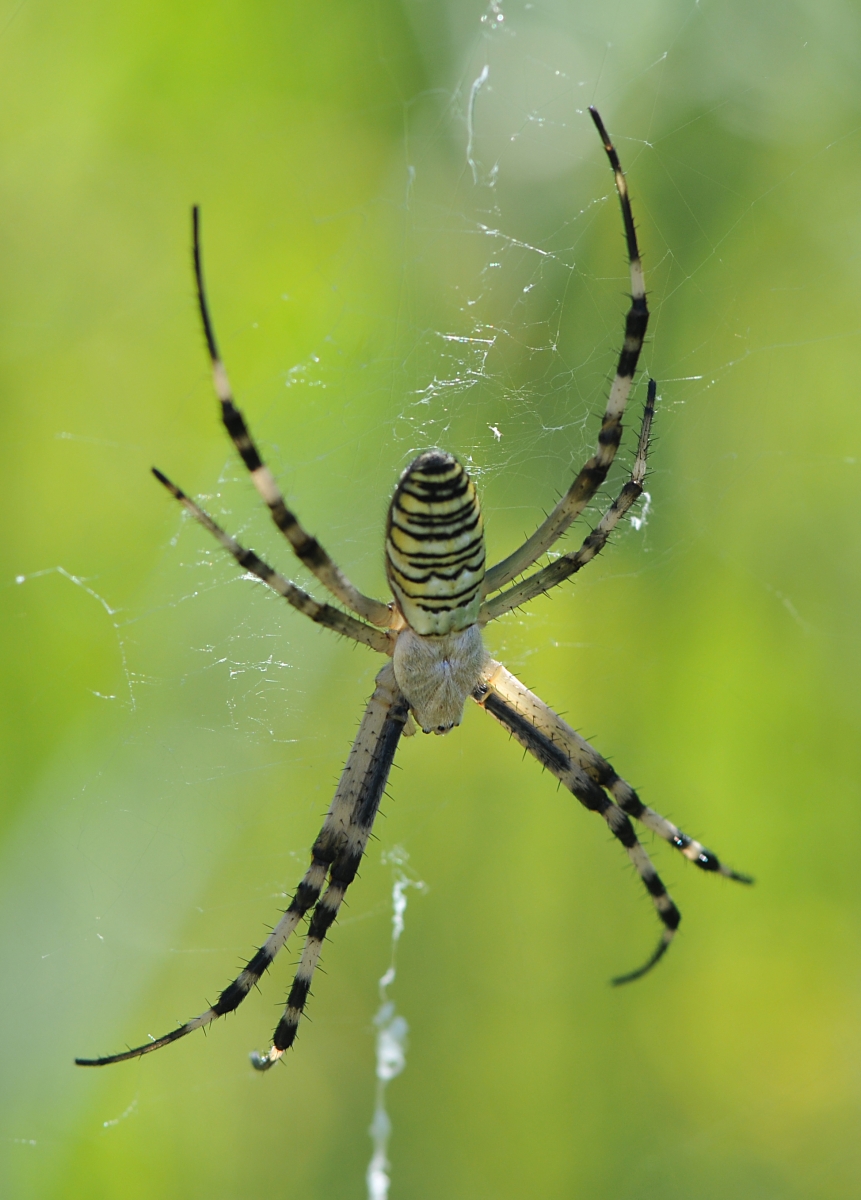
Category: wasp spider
[430,633]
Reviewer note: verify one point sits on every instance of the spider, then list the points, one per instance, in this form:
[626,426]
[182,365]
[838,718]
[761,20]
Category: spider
[430,633]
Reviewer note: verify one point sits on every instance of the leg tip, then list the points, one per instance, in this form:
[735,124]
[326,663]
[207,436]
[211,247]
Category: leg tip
[661,950]
[740,878]
[262,1062]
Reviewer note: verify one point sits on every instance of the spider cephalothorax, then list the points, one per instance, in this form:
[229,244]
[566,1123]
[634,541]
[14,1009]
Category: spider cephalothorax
[442,597]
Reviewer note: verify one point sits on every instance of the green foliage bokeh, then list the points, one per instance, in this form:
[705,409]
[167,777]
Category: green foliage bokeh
[172,734]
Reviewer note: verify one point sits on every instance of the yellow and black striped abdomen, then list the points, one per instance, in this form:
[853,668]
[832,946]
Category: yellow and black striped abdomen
[435,545]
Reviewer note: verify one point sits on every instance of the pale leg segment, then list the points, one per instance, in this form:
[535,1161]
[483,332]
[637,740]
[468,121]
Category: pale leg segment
[369,761]
[307,549]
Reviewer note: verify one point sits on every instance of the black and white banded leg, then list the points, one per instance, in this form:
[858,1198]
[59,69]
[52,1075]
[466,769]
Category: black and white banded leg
[336,854]
[306,548]
[597,767]
[694,851]
[590,778]
[360,791]
[592,476]
[568,564]
[323,614]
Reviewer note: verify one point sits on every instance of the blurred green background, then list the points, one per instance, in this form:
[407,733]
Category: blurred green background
[172,734]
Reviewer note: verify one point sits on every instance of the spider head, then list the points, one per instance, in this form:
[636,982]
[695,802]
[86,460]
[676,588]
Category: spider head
[436,674]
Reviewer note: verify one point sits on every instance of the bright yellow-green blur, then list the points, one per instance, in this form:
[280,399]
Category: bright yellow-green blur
[403,251]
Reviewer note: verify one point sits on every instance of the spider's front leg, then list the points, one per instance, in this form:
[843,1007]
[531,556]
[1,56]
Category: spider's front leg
[306,548]
[569,564]
[593,474]
[590,777]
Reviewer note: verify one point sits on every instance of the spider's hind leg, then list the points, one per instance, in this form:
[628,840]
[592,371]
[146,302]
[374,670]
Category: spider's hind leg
[337,853]
[598,769]
[695,851]
[590,777]
[547,737]
[356,801]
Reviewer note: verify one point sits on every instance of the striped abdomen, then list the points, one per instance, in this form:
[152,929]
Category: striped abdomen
[435,545]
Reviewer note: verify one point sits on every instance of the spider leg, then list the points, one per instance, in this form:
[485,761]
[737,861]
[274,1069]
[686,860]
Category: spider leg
[307,549]
[599,770]
[695,851]
[594,473]
[323,614]
[345,832]
[359,793]
[568,564]
[547,737]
